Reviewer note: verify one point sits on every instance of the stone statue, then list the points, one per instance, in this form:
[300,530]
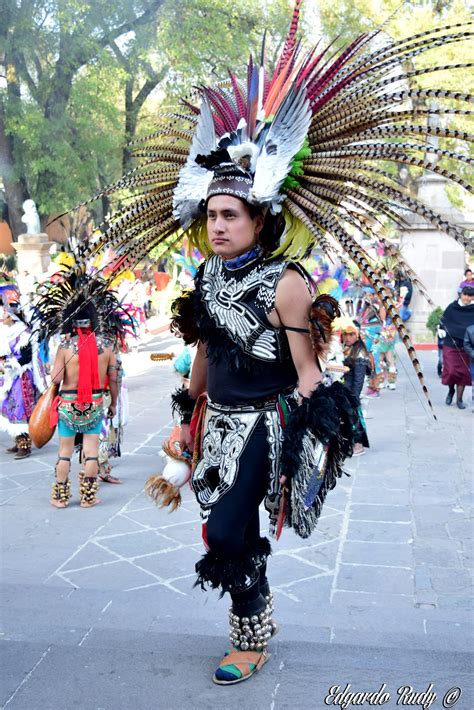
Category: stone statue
[31,217]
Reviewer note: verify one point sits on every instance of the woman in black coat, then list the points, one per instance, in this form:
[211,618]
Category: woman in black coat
[458,316]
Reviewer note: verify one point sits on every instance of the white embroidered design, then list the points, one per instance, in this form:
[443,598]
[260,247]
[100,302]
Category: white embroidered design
[223,297]
[225,439]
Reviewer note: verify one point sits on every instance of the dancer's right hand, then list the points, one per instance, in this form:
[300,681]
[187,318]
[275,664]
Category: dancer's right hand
[186,441]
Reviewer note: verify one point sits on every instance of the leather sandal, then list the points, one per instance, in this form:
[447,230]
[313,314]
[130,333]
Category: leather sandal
[107,477]
[237,666]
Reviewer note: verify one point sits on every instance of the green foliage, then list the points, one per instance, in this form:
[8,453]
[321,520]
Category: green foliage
[201,39]
[434,319]
[81,72]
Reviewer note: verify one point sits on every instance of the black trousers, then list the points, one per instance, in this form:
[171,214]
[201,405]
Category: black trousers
[233,527]
[234,520]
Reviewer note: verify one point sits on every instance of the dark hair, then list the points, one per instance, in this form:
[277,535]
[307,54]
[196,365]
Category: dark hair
[468,270]
[273,228]
[80,311]
[468,291]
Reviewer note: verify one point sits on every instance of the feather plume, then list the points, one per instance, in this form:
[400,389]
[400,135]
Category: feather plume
[324,134]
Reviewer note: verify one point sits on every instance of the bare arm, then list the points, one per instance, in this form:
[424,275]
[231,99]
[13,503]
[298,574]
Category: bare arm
[197,386]
[112,372]
[59,367]
[292,303]
[198,381]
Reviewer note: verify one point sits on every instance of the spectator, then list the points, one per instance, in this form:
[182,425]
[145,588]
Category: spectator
[468,280]
[469,348]
[357,359]
[458,316]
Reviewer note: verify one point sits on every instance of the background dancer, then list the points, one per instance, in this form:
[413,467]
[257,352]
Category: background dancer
[82,362]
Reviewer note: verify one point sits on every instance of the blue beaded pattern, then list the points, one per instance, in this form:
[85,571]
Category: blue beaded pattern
[243,259]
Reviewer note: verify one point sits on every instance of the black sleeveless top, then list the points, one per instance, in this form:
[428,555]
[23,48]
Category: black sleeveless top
[248,358]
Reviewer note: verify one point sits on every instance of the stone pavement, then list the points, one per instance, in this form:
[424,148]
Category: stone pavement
[99,610]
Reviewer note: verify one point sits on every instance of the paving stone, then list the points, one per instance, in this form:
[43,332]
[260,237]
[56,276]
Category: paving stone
[120,634]
[378,553]
[17,661]
[454,602]
[380,495]
[323,555]
[137,543]
[460,529]
[430,531]
[116,575]
[390,513]
[379,532]
[343,598]
[444,554]
[118,524]
[179,563]
[378,580]
[312,594]
[284,569]
[445,582]
[88,556]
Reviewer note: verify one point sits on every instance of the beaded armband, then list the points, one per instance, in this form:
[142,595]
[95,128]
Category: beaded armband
[182,404]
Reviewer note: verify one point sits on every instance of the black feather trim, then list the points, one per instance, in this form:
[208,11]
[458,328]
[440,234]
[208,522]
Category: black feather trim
[183,317]
[182,404]
[232,575]
[328,416]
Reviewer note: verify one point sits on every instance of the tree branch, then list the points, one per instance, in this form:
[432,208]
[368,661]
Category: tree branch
[22,66]
[120,55]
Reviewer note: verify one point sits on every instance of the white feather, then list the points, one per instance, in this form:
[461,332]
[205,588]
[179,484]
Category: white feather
[177,472]
[284,139]
[194,180]
[242,150]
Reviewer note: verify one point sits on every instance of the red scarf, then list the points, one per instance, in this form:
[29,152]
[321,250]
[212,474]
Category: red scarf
[88,366]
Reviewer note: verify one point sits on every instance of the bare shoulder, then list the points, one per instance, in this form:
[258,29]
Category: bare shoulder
[67,342]
[292,288]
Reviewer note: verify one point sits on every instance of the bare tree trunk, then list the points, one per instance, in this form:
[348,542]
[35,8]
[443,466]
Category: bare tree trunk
[15,189]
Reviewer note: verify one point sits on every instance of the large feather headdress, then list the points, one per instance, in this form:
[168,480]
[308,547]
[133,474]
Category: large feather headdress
[318,139]
[77,295]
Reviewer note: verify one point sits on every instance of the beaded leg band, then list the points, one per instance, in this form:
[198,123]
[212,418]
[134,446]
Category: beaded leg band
[61,490]
[23,446]
[249,636]
[61,493]
[89,487]
[252,632]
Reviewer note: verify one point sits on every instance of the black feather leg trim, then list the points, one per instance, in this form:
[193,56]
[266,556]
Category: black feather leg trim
[232,575]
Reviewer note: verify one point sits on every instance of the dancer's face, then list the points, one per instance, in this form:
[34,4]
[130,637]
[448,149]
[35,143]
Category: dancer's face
[230,228]
[349,338]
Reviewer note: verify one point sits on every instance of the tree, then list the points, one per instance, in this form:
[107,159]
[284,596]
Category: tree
[45,45]
[79,75]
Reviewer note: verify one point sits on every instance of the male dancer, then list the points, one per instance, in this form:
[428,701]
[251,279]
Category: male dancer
[251,317]
[82,362]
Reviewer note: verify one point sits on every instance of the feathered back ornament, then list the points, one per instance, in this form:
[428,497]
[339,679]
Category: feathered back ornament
[324,310]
